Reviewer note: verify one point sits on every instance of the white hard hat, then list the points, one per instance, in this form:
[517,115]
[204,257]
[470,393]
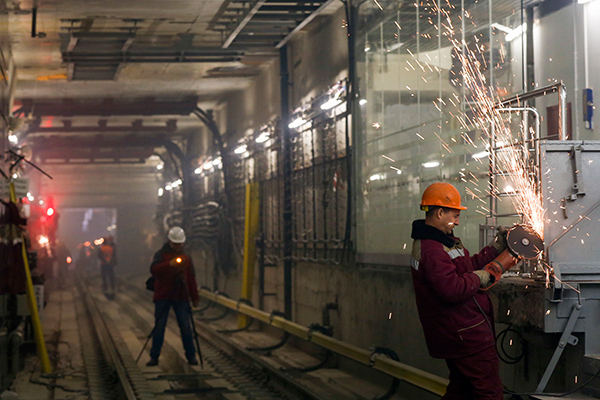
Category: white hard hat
[176,235]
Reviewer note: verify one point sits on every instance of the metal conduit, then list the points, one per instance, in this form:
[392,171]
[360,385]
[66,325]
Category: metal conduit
[422,379]
[16,339]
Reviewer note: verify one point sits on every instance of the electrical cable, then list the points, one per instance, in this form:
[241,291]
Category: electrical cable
[502,353]
[54,385]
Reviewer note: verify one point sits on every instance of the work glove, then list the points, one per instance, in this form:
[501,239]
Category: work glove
[499,242]
[484,278]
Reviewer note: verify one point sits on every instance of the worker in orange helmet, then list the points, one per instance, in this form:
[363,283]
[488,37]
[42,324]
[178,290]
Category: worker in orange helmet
[457,317]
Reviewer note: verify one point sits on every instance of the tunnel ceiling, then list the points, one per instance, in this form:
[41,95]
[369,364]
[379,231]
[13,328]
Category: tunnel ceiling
[163,49]
[104,84]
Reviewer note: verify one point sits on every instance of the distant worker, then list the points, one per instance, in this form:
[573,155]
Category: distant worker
[457,317]
[108,260]
[174,286]
[63,260]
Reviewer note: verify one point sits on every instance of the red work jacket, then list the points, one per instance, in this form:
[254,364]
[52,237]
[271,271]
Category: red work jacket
[169,283]
[451,307]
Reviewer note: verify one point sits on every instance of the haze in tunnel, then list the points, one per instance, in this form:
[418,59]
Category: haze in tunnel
[80,225]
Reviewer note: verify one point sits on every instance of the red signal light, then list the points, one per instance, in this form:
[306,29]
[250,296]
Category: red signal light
[50,211]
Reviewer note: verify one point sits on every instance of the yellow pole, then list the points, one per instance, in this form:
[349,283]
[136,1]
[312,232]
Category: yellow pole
[35,315]
[250,228]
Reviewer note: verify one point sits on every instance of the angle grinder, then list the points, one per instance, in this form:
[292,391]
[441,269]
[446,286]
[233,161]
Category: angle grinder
[522,242]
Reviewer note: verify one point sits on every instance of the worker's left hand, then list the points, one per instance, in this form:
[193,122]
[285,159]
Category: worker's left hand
[195,303]
[484,278]
[499,242]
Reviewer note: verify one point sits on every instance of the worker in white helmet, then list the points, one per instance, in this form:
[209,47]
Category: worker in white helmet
[174,286]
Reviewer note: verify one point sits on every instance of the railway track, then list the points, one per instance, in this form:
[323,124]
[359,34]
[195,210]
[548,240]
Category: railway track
[230,371]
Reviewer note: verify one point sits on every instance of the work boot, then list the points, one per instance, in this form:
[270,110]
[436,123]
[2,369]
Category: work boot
[193,361]
[153,362]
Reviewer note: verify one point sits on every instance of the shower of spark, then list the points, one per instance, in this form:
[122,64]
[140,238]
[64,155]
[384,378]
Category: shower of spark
[511,158]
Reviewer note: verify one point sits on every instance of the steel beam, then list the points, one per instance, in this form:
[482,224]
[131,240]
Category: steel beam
[286,144]
[107,107]
[294,8]
[103,129]
[243,23]
[180,59]
[302,24]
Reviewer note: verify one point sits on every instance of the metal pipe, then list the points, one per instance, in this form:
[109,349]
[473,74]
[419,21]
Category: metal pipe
[287,182]
[34,22]
[382,363]
[16,338]
[562,106]
[3,356]
[562,111]
[520,98]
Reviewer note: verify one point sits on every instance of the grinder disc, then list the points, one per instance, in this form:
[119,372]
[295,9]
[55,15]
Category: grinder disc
[524,242]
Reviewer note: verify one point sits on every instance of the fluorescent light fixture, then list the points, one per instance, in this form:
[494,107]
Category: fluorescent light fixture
[263,137]
[241,149]
[198,171]
[329,104]
[395,46]
[216,162]
[177,183]
[479,155]
[518,31]
[160,192]
[431,164]
[296,123]
[207,165]
[168,187]
[502,28]
[13,139]
[160,166]
[377,177]
[362,102]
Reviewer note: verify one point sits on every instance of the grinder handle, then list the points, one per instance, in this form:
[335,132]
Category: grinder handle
[498,266]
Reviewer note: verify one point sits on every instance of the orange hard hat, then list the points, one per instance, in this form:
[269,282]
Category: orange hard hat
[441,194]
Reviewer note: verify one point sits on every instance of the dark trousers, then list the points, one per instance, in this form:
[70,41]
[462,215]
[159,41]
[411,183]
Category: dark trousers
[476,377]
[108,277]
[183,312]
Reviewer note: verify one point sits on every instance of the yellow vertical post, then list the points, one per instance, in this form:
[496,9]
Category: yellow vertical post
[35,315]
[250,228]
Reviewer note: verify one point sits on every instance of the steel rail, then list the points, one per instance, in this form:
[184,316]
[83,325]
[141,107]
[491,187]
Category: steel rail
[422,379]
[130,378]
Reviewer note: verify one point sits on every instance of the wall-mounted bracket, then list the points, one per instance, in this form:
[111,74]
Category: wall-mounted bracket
[565,339]
[577,178]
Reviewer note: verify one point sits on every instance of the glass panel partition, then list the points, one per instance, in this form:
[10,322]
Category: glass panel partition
[416,125]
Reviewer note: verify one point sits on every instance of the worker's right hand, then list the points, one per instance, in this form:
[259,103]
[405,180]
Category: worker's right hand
[175,263]
[484,278]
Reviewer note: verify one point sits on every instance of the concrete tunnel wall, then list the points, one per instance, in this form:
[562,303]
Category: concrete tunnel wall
[368,294]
